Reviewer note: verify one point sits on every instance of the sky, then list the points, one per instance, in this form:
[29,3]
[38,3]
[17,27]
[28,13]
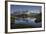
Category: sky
[33,9]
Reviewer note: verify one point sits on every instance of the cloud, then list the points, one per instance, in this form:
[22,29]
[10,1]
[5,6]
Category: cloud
[34,11]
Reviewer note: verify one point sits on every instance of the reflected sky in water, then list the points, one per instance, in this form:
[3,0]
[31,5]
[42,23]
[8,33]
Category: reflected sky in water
[28,21]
